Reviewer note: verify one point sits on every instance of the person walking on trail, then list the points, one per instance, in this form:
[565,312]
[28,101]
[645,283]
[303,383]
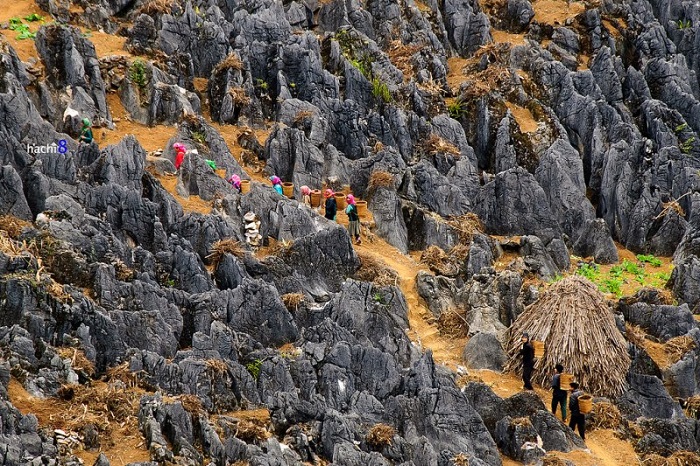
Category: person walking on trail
[86,132]
[277,184]
[354,218]
[578,419]
[306,196]
[558,393]
[331,205]
[527,352]
[180,157]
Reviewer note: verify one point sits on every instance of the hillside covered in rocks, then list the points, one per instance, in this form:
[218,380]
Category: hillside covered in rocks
[500,144]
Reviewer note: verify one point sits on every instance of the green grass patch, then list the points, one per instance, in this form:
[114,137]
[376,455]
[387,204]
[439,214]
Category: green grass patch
[626,277]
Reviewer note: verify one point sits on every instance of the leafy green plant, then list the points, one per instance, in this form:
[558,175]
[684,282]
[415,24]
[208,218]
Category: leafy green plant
[687,145]
[17,25]
[649,259]
[33,17]
[378,298]
[457,109]
[261,84]
[380,90]
[170,283]
[684,24]
[663,276]
[138,73]
[612,285]
[681,128]
[254,368]
[199,137]
[590,271]
[363,64]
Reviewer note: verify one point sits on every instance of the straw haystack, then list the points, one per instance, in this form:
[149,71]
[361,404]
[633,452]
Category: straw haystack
[579,331]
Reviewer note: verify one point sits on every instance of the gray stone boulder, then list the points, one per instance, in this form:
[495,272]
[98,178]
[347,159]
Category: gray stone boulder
[646,396]
[686,282]
[665,436]
[72,61]
[12,200]
[595,241]
[554,434]
[662,321]
[515,204]
[484,351]
[518,439]
[467,28]
[519,13]
[385,206]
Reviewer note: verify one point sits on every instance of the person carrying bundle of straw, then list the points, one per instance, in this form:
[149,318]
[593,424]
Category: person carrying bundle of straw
[578,419]
[559,394]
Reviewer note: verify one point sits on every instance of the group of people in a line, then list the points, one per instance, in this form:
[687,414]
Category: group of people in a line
[559,394]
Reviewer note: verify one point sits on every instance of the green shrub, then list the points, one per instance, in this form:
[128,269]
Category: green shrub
[684,24]
[380,90]
[33,17]
[649,259]
[138,73]
[199,136]
[457,109]
[687,145]
[254,368]
[17,25]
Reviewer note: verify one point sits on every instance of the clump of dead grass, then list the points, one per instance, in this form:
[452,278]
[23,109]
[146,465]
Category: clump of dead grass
[380,435]
[13,226]
[439,262]
[380,179]
[217,366]
[466,226]
[373,271]
[226,246]
[551,460]
[121,373]
[677,347]
[401,56]
[679,458]
[239,96]
[191,403]
[435,145]
[692,407]
[156,7]
[251,432]
[635,335]
[605,416]
[461,459]
[292,301]
[453,324]
[78,360]
[301,117]
[231,62]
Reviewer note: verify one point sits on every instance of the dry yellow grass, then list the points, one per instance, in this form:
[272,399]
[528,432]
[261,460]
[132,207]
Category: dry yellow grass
[226,246]
[605,416]
[231,62]
[239,96]
[373,271]
[434,144]
[292,301]
[13,226]
[380,179]
[380,435]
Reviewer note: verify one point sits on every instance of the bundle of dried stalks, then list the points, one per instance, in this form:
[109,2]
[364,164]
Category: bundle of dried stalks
[677,347]
[371,270]
[461,459]
[380,435]
[156,7]
[439,262]
[78,360]
[380,179]
[635,335]
[292,301]
[191,403]
[239,96]
[251,432]
[466,225]
[579,331]
[679,458]
[692,407]
[453,324]
[226,246]
[401,56]
[434,144]
[13,226]
[605,416]
[231,62]
[217,366]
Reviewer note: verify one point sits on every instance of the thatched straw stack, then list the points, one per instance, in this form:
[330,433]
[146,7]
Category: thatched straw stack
[579,331]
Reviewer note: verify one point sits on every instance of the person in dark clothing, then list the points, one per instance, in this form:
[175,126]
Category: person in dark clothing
[577,418]
[528,354]
[331,205]
[558,394]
